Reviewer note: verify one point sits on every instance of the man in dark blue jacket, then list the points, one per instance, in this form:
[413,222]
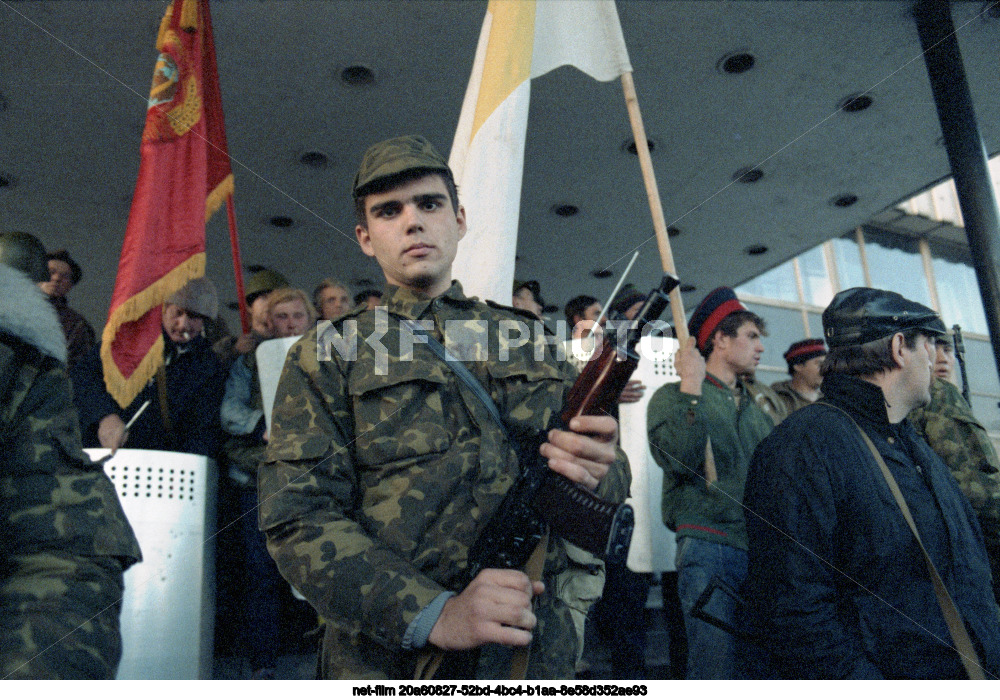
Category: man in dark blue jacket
[837,584]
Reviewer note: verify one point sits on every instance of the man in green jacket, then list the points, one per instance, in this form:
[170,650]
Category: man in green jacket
[702,432]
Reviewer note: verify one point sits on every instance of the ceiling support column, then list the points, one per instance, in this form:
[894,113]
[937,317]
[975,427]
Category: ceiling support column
[966,153]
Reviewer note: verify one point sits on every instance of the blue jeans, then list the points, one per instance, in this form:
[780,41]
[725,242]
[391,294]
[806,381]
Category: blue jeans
[711,651]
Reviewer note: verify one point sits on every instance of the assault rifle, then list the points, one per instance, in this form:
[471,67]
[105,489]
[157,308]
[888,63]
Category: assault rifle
[960,356]
[541,499]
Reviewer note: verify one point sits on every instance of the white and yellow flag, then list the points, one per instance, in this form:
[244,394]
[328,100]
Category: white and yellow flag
[520,40]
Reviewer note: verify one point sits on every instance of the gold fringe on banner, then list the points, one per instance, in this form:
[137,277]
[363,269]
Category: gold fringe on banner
[189,15]
[161,36]
[216,197]
[124,389]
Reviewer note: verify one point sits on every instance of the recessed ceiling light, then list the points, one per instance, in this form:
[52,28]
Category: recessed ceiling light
[363,282]
[358,75]
[748,175]
[855,103]
[565,210]
[755,249]
[673,231]
[3,103]
[254,269]
[844,200]
[314,159]
[736,63]
[282,221]
[601,274]
[630,147]
[688,287]
[7,180]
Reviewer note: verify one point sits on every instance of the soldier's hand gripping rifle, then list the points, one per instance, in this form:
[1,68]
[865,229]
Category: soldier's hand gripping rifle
[542,499]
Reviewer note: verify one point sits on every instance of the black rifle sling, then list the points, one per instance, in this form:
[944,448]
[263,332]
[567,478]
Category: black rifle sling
[462,372]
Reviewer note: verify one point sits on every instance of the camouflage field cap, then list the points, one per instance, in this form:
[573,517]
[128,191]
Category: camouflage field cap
[395,156]
[860,315]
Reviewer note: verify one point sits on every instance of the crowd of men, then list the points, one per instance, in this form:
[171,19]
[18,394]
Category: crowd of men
[844,523]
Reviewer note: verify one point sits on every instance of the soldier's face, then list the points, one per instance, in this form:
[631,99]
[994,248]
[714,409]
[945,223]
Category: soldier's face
[944,362]
[413,233]
[742,352]
[289,318]
[809,371]
[333,301]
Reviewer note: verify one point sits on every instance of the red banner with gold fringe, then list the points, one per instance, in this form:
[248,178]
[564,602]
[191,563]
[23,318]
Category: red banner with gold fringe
[184,176]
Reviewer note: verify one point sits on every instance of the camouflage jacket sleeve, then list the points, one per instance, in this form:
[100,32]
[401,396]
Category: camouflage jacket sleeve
[954,433]
[309,500]
[65,538]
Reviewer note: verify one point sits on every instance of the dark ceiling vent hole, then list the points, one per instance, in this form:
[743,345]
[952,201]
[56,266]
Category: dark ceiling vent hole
[688,288]
[630,146]
[565,210]
[282,221]
[992,10]
[748,175]
[314,159]
[756,250]
[673,231]
[845,200]
[856,103]
[364,282]
[358,75]
[7,180]
[601,274]
[737,63]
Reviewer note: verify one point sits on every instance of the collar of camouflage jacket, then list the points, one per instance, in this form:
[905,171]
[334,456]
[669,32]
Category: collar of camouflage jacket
[404,303]
[26,313]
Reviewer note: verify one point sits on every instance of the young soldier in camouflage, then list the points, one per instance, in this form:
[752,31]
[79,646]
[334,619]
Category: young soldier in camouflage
[65,540]
[382,467]
[960,440]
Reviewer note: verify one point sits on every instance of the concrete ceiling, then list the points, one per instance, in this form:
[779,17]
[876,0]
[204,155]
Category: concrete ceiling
[74,78]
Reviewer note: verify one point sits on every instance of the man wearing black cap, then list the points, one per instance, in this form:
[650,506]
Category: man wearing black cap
[378,478]
[839,585]
[804,360]
[64,274]
[702,432]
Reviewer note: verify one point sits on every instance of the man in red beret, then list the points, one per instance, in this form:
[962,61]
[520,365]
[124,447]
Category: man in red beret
[702,432]
[804,360]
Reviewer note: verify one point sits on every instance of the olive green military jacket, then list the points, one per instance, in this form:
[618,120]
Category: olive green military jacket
[382,468]
[960,440]
[792,399]
[64,540]
[679,426]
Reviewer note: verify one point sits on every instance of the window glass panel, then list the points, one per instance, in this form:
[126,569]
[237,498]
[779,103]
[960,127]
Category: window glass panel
[815,279]
[848,256]
[958,290]
[778,283]
[894,263]
[784,327]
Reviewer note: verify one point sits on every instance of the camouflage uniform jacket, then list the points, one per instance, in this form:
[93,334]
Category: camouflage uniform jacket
[792,399]
[65,540]
[960,440]
[381,471]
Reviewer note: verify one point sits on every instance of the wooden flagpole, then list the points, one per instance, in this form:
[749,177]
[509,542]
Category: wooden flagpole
[655,206]
[234,242]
